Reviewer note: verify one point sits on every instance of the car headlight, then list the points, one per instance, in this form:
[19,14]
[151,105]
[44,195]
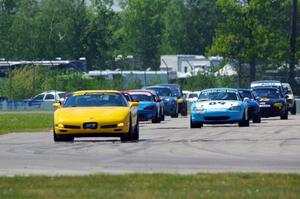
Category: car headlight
[198,108]
[235,108]
[60,125]
[278,104]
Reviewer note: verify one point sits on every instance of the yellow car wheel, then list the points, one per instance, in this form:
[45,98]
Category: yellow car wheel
[62,138]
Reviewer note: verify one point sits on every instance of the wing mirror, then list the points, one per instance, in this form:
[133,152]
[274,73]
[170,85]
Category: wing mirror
[56,105]
[134,104]
[257,98]
[158,100]
[246,99]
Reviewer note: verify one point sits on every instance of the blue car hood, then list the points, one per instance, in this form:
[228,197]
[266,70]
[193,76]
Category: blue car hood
[144,104]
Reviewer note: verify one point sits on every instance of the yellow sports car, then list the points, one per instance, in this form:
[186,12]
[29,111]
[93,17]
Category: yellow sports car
[96,113]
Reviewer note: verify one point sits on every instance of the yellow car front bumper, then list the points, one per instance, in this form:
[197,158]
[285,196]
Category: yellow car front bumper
[104,129]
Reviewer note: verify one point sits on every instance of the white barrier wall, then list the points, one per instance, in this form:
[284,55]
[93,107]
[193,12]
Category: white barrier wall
[298,105]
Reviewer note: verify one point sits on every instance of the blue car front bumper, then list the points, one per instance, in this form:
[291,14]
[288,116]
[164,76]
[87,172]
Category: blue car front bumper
[145,115]
[217,117]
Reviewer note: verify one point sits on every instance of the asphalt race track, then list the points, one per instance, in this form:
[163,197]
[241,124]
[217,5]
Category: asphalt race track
[169,147]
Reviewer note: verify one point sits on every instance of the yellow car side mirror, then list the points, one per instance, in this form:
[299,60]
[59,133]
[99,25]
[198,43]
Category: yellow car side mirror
[134,104]
[56,105]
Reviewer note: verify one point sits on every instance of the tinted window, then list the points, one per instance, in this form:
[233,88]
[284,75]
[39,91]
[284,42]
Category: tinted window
[161,91]
[39,97]
[95,100]
[192,95]
[218,95]
[141,97]
[49,97]
[266,93]
[61,95]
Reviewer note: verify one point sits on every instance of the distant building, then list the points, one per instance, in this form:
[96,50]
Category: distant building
[188,65]
[79,65]
[144,77]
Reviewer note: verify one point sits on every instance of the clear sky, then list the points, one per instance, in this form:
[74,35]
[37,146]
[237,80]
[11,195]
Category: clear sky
[115,7]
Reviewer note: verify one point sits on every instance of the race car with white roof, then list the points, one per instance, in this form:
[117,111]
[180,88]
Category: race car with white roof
[219,106]
[269,83]
[290,98]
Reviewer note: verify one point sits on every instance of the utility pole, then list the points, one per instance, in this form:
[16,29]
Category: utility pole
[167,69]
[293,44]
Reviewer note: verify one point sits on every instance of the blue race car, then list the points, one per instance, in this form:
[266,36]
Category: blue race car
[170,101]
[253,106]
[219,106]
[177,92]
[272,102]
[149,105]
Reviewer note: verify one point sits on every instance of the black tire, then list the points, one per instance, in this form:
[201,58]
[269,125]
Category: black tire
[294,109]
[162,117]
[285,115]
[194,124]
[256,118]
[62,138]
[136,132]
[245,122]
[156,119]
[184,111]
[175,115]
[127,136]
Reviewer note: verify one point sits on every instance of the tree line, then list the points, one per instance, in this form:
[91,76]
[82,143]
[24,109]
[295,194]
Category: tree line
[253,32]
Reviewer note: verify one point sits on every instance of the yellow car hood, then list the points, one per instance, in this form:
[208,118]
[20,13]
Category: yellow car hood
[90,114]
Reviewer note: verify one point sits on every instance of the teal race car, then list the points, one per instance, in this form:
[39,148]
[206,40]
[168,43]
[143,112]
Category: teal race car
[219,106]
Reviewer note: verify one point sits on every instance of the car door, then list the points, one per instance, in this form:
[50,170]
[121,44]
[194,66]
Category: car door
[49,97]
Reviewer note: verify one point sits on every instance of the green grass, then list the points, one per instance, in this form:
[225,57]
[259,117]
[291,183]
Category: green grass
[25,122]
[153,186]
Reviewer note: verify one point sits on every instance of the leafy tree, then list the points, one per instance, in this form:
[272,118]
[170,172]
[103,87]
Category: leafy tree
[64,22]
[252,32]
[23,33]
[201,20]
[174,28]
[7,12]
[99,33]
[143,30]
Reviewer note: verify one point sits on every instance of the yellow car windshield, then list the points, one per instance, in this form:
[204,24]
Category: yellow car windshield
[95,100]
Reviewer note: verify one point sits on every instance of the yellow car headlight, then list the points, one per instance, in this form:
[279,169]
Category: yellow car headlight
[60,126]
[121,125]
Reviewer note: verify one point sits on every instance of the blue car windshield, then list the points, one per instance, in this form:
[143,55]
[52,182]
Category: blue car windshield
[95,100]
[161,91]
[218,95]
[142,97]
[267,93]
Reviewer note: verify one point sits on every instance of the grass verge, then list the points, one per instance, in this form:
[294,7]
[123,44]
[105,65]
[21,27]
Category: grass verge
[27,122]
[153,186]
